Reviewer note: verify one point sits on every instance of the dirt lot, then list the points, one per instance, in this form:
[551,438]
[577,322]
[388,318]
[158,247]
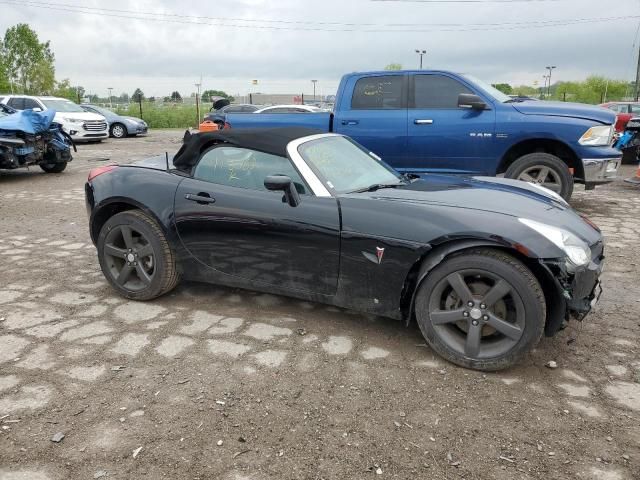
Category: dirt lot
[211,383]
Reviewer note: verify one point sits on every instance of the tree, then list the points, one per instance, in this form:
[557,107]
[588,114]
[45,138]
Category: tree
[64,89]
[28,63]
[208,94]
[176,97]
[138,96]
[393,66]
[503,87]
[5,85]
[124,97]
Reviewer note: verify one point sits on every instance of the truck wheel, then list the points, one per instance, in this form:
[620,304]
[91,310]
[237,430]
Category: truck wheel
[544,169]
[53,167]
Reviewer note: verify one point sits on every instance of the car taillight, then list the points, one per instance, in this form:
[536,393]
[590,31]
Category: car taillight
[99,171]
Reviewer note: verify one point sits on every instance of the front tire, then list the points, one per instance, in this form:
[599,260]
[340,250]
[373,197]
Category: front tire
[135,256]
[544,169]
[118,130]
[53,167]
[481,309]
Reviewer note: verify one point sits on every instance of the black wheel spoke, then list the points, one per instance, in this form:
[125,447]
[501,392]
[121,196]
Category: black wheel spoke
[514,332]
[460,287]
[126,236]
[124,274]
[142,274]
[497,292]
[145,251]
[442,317]
[472,344]
[110,249]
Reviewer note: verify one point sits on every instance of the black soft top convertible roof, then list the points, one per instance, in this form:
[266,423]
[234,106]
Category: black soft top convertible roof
[267,140]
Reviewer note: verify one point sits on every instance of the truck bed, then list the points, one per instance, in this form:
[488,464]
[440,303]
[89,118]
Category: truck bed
[320,121]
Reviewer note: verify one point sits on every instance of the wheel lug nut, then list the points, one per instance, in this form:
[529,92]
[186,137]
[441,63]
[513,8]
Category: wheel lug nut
[474,323]
[483,306]
[485,318]
[470,304]
[465,314]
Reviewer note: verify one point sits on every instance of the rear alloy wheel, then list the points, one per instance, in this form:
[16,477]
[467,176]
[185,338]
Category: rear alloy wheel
[53,167]
[118,130]
[481,309]
[545,170]
[135,256]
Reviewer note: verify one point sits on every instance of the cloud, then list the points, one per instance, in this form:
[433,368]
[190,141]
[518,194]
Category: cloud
[114,50]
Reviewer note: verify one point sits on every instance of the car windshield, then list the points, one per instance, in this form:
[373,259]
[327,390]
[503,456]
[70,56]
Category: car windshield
[62,105]
[488,89]
[347,167]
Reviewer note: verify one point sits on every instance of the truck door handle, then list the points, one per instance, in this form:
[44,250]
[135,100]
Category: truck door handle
[419,121]
[350,122]
[202,198]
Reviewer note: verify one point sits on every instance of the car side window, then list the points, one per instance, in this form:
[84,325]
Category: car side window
[379,93]
[17,103]
[437,91]
[30,103]
[244,168]
[634,109]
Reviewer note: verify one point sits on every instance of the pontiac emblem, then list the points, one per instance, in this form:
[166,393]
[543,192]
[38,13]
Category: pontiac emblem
[377,258]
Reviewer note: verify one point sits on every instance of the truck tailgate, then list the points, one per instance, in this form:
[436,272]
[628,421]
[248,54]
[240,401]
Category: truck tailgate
[320,121]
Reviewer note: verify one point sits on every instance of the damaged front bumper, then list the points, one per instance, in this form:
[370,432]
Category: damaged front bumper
[576,290]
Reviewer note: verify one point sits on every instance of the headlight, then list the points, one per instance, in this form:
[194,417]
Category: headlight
[578,252]
[74,120]
[597,136]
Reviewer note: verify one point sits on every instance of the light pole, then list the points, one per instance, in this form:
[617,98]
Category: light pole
[110,96]
[550,68]
[314,89]
[544,88]
[421,53]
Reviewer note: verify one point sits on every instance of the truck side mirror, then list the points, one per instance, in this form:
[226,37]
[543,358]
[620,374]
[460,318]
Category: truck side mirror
[285,184]
[469,100]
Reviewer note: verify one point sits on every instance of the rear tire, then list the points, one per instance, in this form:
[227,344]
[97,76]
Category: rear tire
[507,317]
[544,169]
[135,256]
[53,167]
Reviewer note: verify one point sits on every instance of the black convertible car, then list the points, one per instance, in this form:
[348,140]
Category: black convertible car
[485,265]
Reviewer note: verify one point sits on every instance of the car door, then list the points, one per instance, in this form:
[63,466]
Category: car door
[30,103]
[376,116]
[443,137]
[228,221]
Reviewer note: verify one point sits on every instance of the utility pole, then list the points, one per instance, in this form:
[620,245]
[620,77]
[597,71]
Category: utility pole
[314,89]
[550,68]
[110,96]
[421,53]
[637,89]
[198,102]
[544,88]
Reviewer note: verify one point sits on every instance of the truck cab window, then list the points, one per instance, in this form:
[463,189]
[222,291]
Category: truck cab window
[379,93]
[437,91]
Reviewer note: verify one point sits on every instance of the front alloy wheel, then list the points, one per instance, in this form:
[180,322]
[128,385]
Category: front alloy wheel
[118,131]
[482,309]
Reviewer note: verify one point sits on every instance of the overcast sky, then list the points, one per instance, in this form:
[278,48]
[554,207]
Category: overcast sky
[286,43]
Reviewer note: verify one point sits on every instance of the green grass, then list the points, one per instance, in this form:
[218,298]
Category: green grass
[170,116]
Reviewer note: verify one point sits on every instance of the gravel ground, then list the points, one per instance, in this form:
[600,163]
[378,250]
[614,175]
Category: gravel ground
[211,382]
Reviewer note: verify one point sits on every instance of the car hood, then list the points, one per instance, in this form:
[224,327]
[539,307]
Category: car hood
[61,116]
[566,109]
[487,194]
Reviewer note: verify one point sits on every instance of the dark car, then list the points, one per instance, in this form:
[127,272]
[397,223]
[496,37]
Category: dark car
[484,265]
[222,107]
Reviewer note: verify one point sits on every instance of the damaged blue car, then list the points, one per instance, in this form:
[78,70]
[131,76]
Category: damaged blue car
[31,138]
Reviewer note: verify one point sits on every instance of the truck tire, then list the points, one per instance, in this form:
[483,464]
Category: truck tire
[545,170]
[53,167]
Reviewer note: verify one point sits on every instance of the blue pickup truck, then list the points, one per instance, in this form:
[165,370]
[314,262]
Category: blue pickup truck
[442,122]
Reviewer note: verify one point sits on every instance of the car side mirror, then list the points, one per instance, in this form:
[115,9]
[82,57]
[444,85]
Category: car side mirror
[469,100]
[284,184]
[37,109]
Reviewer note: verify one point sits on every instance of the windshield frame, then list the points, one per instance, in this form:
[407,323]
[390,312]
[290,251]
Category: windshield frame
[61,101]
[487,89]
[319,182]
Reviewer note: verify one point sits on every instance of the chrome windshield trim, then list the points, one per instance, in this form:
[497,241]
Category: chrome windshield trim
[317,186]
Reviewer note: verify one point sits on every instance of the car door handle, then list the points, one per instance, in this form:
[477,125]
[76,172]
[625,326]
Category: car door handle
[201,198]
[419,121]
[350,122]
